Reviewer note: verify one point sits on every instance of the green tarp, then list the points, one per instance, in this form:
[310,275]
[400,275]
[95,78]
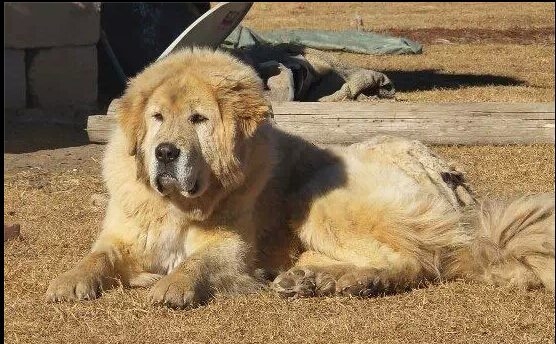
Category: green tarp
[349,41]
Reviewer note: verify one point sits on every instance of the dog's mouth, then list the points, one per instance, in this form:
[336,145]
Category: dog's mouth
[167,184]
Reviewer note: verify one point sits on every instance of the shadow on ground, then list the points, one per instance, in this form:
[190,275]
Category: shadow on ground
[429,79]
[31,137]
[418,80]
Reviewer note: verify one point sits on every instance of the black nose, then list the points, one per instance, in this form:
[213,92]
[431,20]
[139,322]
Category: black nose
[166,152]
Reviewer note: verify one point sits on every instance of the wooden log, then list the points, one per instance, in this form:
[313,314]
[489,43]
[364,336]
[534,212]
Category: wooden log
[450,123]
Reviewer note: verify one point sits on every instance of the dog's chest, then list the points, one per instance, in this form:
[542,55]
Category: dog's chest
[167,249]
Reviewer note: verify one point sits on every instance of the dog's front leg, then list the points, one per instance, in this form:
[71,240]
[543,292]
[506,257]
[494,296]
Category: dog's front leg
[217,262]
[85,281]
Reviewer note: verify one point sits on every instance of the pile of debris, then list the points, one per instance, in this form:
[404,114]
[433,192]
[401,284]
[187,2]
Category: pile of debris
[294,64]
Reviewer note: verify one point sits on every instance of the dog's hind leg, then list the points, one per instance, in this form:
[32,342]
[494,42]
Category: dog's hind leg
[361,266]
[375,274]
[316,274]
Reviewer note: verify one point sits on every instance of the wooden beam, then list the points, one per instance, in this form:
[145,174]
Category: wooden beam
[450,123]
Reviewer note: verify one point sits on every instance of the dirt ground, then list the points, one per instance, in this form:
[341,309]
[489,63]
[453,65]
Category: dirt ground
[53,188]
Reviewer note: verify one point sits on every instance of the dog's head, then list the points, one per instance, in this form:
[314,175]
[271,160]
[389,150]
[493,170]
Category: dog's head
[186,119]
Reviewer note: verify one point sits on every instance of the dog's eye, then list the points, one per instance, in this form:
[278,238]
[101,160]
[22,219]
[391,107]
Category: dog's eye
[197,118]
[158,116]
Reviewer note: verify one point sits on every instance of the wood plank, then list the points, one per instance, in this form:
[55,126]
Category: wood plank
[99,127]
[450,123]
[339,108]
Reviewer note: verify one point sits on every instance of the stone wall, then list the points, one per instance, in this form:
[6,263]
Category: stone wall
[50,59]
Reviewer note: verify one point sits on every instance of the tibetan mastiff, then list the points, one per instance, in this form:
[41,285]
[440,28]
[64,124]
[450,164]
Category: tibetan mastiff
[208,196]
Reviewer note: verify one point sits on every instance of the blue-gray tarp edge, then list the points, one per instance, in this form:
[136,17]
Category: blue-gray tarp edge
[349,41]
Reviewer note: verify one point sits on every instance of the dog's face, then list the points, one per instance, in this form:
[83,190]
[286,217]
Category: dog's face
[187,119]
[179,138]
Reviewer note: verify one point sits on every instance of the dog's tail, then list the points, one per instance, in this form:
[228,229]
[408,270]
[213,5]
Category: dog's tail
[512,243]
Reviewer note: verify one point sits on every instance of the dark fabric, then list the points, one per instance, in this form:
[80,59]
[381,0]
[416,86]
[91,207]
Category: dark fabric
[138,33]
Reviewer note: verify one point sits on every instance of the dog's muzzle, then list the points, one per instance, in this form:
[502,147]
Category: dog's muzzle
[171,176]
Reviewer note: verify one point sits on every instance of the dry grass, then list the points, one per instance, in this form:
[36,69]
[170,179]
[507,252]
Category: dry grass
[49,193]
[59,223]
[377,16]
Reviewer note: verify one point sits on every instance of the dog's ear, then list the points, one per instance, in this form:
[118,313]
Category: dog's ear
[258,109]
[243,108]
[250,106]
[240,95]
[129,113]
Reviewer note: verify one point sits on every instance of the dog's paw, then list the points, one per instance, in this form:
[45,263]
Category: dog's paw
[74,285]
[362,283]
[176,291]
[302,282]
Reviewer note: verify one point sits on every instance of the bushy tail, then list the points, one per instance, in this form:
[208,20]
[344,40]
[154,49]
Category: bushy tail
[514,242]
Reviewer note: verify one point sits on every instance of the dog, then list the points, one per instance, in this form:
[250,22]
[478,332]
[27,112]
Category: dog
[208,196]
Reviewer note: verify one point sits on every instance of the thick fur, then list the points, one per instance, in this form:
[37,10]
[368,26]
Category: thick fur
[340,221]
[514,243]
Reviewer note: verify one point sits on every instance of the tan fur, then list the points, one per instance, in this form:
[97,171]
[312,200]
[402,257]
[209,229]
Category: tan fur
[514,243]
[361,220]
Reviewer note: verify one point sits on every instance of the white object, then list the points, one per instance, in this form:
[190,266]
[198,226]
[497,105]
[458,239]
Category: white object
[212,28]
